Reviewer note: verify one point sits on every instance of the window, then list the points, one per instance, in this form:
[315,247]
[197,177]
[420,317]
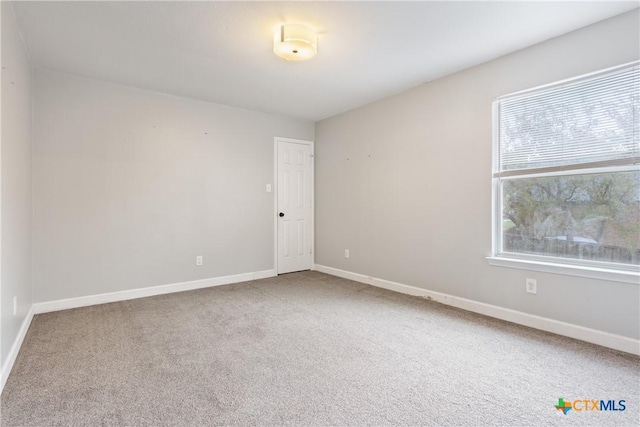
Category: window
[566,175]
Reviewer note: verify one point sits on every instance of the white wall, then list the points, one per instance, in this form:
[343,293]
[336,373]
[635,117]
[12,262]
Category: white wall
[130,186]
[405,184]
[15,170]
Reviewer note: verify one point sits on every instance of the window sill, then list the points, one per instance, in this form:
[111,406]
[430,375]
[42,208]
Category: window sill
[570,270]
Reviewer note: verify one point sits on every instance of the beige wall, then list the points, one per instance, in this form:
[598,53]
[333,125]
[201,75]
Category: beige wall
[130,186]
[15,169]
[405,184]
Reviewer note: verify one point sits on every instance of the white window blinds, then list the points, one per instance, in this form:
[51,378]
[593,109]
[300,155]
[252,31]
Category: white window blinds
[591,122]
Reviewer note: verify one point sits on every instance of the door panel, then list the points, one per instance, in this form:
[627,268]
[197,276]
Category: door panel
[294,206]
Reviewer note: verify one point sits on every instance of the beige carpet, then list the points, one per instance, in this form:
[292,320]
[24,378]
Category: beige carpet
[305,349]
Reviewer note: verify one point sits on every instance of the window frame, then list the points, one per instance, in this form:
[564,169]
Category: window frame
[618,272]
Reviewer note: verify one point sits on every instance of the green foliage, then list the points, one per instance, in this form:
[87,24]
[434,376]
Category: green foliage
[602,207]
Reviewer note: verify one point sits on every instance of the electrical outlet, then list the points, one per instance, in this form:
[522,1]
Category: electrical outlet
[531,286]
[346,253]
[199,260]
[15,305]
[268,188]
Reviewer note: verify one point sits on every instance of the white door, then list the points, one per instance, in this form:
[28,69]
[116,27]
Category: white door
[294,205]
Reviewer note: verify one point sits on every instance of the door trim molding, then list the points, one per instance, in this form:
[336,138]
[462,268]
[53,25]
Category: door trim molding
[311,144]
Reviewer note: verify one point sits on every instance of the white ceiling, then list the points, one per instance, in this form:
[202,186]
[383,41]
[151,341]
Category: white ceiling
[222,51]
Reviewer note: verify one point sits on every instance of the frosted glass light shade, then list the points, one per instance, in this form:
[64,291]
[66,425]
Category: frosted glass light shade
[295,42]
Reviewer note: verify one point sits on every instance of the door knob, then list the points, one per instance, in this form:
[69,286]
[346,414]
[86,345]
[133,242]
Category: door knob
[281,214]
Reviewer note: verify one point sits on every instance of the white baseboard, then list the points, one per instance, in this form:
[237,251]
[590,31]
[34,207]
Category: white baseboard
[605,339]
[15,348]
[64,304]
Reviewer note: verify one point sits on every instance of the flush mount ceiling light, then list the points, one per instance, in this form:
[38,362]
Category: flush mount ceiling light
[295,42]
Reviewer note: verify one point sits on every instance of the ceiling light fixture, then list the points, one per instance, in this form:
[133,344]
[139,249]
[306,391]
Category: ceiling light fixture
[295,42]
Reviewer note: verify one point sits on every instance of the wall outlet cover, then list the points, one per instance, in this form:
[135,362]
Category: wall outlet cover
[531,286]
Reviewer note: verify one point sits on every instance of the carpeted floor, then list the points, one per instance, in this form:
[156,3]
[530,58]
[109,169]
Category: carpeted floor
[305,349]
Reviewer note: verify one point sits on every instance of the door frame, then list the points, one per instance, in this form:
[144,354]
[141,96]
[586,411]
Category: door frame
[311,144]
